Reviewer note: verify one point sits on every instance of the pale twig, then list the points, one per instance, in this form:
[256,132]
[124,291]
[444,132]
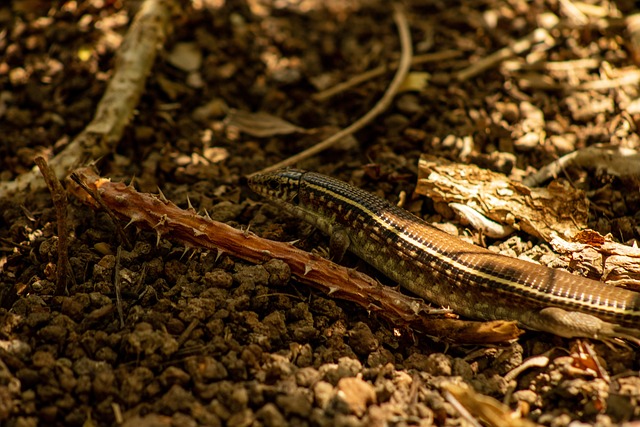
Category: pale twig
[562,66]
[403,68]
[544,82]
[615,160]
[378,71]
[630,78]
[573,13]
[519,46]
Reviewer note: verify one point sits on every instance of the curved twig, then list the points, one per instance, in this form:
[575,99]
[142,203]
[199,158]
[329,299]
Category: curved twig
[403,68]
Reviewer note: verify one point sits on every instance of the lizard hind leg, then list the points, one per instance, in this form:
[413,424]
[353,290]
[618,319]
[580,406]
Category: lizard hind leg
[573,324]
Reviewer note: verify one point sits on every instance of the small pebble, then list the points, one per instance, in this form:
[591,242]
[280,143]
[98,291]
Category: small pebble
[357,394]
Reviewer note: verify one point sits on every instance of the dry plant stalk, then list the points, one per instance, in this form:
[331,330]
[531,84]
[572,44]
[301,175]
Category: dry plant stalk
[539,35]
[184,226]
[59,197]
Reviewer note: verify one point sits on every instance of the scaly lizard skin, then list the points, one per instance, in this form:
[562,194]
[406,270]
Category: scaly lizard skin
[471,280]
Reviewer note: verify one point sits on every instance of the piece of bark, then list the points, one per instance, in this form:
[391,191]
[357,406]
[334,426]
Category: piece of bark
[618,264]
[540,212]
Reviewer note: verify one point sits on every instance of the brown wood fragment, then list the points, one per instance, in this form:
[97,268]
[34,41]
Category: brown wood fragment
[619,264]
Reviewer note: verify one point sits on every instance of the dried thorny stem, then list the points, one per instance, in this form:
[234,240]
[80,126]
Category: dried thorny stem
[98,200]
[184,226]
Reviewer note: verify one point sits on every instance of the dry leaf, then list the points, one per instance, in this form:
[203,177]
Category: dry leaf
[415,81]
[487,409]
[261,125]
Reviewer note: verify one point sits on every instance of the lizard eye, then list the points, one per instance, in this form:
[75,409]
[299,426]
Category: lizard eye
[274,186]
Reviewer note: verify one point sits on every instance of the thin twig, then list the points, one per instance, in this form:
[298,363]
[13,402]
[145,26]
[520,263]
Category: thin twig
[184,336]
[13,245]
[573,13]
[378,71]
[59,197]
[403,68]
[550,66]
[537,36]
[117,286]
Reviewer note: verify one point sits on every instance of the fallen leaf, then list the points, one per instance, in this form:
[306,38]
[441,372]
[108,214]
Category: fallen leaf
[415,81]
[261,125]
